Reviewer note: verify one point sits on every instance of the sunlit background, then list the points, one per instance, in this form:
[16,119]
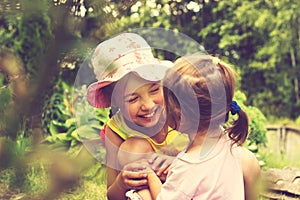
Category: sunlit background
[43,44]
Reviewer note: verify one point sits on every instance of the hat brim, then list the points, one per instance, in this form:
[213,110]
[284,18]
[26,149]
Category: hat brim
[96,96]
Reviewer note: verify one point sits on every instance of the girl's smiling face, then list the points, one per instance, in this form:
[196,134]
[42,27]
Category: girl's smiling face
[143,101]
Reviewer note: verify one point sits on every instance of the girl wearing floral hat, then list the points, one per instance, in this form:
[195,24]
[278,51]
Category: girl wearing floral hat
[129,79]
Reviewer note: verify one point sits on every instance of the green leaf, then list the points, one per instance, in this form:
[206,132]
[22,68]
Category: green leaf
[58,124]
[70,122]
[63,137]
[253,148]
[53,128]
[88,132]
[74,134]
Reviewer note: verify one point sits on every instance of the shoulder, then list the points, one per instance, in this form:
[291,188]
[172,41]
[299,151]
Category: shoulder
[111,137]
[251,174]
[247,156]
[174,134]
[250,165]
[114,121]
[116,126]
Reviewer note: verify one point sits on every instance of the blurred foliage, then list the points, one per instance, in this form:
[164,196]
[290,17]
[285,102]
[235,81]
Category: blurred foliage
[5,99]
[55,36]
[70,120]
[47,41]
[40,176]
[262,38]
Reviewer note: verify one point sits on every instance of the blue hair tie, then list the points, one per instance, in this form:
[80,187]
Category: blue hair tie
[235,108]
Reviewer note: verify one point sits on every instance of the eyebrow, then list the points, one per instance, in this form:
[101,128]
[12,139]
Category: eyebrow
[131,94]
[156,83]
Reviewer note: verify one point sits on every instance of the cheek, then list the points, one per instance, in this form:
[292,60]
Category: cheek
[129,111]
[158,99]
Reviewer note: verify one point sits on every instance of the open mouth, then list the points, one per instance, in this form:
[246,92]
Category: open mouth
[149,115]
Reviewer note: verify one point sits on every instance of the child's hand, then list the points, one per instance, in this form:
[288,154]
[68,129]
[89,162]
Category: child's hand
[160,163]
[134,175]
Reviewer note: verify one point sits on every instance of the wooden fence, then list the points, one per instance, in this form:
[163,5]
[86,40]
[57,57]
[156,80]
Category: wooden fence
[285,140]
[283,183]
[283,128]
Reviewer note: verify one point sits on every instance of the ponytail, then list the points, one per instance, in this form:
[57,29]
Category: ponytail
[238,132]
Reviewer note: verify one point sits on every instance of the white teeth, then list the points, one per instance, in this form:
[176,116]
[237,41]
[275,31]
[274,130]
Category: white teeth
[149,115]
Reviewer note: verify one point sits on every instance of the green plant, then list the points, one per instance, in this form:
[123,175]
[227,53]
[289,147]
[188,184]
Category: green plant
[257,121]
[69,120]
[13,158]
[72,124]
[13,149]
[257,131]
[276,160]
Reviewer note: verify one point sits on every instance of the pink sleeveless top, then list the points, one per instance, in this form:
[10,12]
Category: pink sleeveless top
[217,175]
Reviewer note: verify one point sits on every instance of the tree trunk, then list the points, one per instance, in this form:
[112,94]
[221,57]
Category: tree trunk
[296,83]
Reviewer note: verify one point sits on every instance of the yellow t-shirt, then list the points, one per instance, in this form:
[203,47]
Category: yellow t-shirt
[172,145]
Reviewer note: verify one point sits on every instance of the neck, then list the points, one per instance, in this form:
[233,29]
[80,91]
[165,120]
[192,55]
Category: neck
[203,139]
[161,135]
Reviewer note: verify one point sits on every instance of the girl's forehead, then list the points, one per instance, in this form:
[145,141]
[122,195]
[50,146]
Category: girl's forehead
[138,84]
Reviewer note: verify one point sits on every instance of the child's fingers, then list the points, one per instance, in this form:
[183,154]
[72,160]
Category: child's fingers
[157,162]
[163,178]
[167,170]
[136,166]
[152,158]
[162,169]
[134,180]
[133,175]
[160,163]
[137,184]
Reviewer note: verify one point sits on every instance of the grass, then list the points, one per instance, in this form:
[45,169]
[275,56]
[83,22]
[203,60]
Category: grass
[36,185]
[281,150]
[45,175]
[275,160]
[89,190]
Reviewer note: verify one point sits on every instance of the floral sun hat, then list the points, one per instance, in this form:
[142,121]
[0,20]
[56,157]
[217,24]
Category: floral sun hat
[118,56]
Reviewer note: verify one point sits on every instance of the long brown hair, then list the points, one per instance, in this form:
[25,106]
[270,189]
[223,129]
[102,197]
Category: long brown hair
[211,82]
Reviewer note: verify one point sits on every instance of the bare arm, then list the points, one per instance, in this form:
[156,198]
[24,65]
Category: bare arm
[115,190]
[251,174]
[120,180]
[112,143]
[139,152]
[154,184]
[134,149]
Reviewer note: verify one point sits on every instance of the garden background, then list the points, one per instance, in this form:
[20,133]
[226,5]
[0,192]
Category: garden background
[43,44]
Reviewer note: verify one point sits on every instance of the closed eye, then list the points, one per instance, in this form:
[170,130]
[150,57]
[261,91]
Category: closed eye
[154,89]
[131,99]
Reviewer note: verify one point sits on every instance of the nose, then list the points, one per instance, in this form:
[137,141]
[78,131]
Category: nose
[147,104]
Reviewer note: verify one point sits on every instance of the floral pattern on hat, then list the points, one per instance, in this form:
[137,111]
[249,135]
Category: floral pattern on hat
[116,57]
